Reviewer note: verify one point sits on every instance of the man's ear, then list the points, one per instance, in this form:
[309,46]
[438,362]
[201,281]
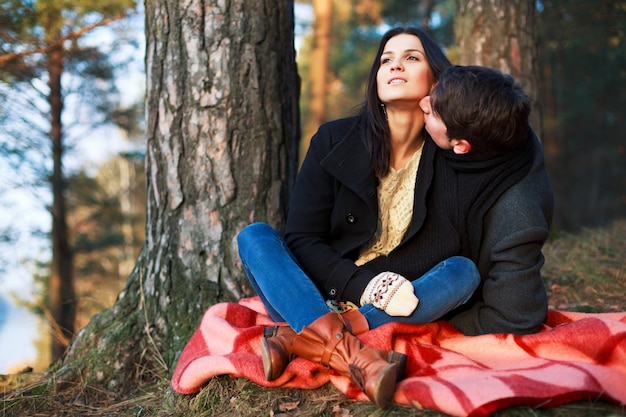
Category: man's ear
[460,146]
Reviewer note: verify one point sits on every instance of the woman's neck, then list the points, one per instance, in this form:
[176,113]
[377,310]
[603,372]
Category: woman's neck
[406,135]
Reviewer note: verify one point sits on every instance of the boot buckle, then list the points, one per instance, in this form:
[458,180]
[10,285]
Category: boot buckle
[329,349]
[270,331]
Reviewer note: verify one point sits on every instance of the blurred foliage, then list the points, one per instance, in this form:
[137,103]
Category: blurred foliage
[41,41]
[90,97]
[583,55]
[107,223]
[107,229]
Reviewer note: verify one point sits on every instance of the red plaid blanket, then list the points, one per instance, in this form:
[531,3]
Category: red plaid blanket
[576,356]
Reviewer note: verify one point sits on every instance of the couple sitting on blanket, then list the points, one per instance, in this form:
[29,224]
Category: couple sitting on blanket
[379,203]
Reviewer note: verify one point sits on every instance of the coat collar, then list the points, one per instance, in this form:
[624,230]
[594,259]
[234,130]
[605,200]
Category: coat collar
[351,163]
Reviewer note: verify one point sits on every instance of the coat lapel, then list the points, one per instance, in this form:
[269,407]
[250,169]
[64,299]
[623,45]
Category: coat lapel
[351,164]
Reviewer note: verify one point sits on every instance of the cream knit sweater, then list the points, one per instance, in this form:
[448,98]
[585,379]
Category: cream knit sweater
[395,205]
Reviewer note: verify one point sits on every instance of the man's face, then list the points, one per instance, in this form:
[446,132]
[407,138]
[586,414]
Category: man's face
[434,125]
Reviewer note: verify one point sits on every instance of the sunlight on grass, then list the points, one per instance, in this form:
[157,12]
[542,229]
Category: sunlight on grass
[587,271]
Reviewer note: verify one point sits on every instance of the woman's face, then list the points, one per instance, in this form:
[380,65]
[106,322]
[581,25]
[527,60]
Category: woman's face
[404,76]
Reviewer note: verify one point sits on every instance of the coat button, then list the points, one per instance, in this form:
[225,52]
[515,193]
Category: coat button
[351,218]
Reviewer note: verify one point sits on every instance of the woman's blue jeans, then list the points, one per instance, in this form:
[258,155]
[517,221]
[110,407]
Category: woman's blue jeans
[289,294]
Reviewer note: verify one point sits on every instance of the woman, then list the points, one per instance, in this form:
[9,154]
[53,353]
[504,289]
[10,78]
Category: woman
[355,208]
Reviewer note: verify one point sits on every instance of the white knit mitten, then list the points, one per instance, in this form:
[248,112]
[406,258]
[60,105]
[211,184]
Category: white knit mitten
[392,293]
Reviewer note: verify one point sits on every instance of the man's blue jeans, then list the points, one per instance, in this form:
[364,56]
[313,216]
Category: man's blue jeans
[289,294]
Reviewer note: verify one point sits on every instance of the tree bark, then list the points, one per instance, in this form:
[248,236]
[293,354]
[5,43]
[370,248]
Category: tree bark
[502,34]
[222,130]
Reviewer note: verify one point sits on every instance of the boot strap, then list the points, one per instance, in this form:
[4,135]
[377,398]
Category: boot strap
[330,348]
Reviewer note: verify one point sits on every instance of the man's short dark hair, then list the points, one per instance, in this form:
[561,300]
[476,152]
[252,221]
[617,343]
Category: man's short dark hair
[483,106]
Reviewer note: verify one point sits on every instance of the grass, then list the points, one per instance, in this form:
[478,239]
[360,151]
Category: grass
[586,272]
[583,272]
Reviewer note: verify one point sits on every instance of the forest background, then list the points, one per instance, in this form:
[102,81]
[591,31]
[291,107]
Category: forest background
[580,92]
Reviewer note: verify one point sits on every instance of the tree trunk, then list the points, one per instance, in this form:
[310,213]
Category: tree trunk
[502,34]
[318,74]
[222,101]
[61,296]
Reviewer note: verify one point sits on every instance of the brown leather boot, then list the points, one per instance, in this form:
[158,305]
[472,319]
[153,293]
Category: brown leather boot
[277,340]
[356,323]
[328,342]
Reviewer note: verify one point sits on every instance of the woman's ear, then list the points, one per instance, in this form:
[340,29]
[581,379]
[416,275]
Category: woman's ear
[460,146]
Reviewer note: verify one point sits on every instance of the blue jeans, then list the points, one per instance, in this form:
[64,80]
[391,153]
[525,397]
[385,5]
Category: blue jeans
[289,294]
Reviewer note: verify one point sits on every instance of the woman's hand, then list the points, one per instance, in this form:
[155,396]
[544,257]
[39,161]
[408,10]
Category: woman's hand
[391,293]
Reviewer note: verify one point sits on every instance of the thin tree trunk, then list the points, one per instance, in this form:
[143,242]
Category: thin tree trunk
[318,74]
[222,128]
[426,8]
[62,301]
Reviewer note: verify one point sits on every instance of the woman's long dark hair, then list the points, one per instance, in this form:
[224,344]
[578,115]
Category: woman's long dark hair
[374,126]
